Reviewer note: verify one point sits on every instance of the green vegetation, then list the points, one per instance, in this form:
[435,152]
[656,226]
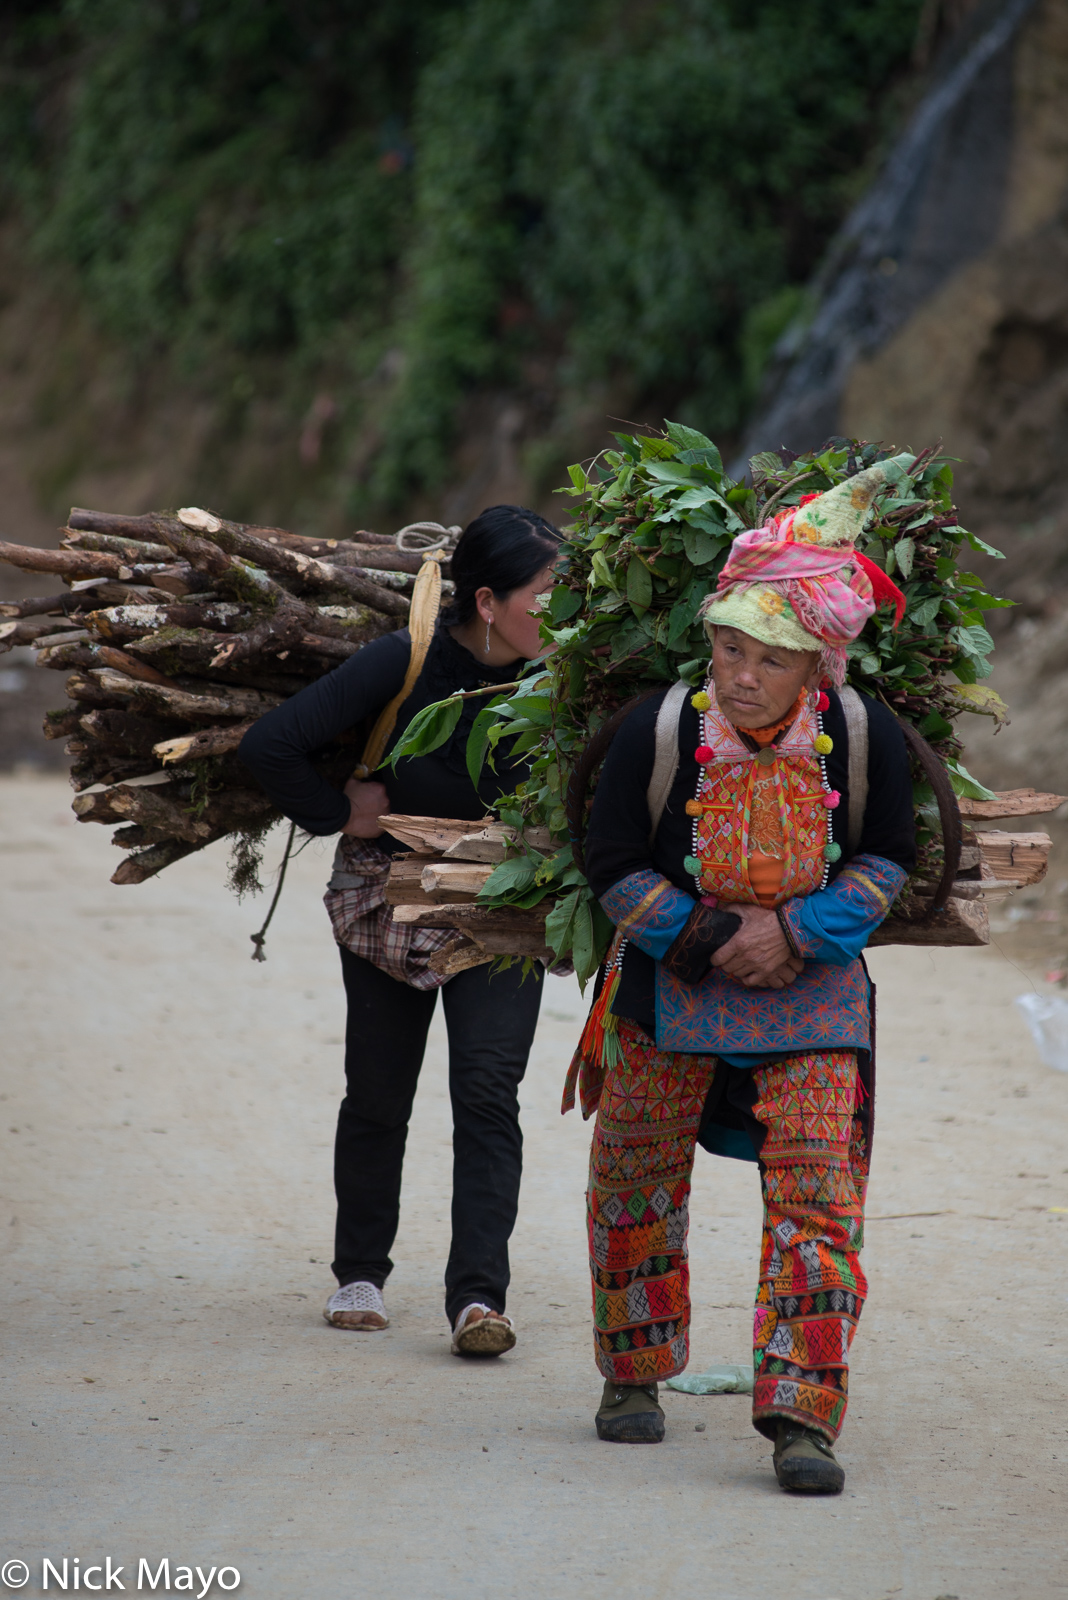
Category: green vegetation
[654,524]
[411,200]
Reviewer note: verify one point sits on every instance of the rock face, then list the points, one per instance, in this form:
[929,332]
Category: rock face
[942,311]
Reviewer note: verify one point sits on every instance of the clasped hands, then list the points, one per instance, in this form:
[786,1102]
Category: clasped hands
[758,954]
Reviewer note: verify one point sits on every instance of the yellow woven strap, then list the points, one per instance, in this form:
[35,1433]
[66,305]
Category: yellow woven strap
[422,620]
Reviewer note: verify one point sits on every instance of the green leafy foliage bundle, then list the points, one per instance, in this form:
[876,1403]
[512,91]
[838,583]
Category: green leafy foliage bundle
[653,525]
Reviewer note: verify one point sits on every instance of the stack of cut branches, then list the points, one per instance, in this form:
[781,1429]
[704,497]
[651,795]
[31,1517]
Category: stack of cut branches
[177,632]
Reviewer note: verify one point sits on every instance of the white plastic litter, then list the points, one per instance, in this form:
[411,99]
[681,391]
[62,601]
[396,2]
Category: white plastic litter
[725,1379]
[1047,1017]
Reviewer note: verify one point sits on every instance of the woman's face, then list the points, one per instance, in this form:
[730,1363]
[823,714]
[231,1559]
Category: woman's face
[515,619]
[756,683]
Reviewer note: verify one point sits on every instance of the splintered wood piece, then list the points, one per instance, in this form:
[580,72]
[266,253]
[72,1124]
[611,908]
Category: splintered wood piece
[1011,803]
[431,835]
[461,839]
[461,877]
[501,930]
[960,922]
[457,956]
[478,922]
[404,886]
[1016,858]
[495,843]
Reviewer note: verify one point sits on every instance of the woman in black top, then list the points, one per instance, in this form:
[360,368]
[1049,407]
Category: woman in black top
[501,566]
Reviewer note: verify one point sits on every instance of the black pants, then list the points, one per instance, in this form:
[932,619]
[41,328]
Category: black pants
[491,1022]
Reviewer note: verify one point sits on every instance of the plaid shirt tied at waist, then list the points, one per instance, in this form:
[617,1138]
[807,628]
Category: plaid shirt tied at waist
[362,921]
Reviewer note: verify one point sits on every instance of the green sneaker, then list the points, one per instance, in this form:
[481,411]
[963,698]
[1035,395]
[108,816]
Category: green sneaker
[629,1414]
[805,1462]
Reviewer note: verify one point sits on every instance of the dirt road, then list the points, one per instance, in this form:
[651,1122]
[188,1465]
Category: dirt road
[170,1389]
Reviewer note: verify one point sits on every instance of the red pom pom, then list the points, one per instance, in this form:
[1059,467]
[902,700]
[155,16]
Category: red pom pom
[832,799]
[703,755]
[822,701]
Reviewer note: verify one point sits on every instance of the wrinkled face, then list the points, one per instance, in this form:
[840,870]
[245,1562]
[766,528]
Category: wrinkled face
[756,684]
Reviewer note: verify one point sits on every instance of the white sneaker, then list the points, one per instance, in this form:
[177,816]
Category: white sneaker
[358,1307]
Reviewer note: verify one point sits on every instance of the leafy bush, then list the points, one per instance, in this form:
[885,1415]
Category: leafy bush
[443,194]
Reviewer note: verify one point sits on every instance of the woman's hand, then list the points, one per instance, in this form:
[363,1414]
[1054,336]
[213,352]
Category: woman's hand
[758,955]
[369,801]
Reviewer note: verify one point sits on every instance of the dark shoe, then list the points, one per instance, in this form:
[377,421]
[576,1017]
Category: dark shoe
[805,1462]
[629,1414]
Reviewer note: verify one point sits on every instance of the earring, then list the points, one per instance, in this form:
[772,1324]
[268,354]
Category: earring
[489,624]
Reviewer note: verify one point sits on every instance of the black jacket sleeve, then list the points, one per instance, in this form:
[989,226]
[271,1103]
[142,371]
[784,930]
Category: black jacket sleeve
[279,747]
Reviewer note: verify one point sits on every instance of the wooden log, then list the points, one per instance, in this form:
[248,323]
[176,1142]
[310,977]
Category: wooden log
[128,549]
[143,804]
[61,724]
[346,552]
[170,817]
[28,630]
[146,863]
[231,543]
[213,701]
[182,582]
[1011,803]
[57,636]
[88,692]
[127,733]
[67,563]
[42,605]
[110,522]
[81,651]
[195,746]
[123,623]
[1016,858]
[318,644]
[960,922]
[61,657]
[141,527]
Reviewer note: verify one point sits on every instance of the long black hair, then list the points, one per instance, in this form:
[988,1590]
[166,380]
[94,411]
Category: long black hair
[503,549]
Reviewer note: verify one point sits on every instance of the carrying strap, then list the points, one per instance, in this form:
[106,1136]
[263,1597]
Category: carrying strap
[666,757]
[856,721]
[422,620]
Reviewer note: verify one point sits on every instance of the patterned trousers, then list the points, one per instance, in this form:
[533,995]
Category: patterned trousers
[813,1166]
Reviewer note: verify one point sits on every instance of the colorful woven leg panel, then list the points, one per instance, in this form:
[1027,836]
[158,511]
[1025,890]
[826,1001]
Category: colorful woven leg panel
[811,1287]
[638,1208]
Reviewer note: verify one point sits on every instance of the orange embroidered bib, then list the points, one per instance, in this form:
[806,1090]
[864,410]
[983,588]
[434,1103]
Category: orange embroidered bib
[756,808]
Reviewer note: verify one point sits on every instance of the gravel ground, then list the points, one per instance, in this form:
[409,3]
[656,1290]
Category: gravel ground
[170,1389]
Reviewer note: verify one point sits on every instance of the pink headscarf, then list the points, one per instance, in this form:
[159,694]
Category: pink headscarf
[832,589]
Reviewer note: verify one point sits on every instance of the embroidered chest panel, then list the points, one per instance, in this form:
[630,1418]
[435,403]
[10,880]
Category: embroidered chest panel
[744,808]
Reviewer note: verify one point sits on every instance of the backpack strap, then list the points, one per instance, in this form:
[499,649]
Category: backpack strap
[422,620]
[856,720]
[666,756]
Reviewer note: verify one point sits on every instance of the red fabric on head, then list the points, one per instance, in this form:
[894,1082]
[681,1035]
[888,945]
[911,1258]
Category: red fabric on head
[882,587]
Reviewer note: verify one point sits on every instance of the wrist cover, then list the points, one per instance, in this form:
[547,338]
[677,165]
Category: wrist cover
[706,929]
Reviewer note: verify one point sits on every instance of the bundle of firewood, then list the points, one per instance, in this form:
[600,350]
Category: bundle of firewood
[177,632]
[437,885]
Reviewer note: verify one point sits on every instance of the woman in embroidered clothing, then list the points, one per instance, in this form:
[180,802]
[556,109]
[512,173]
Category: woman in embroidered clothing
[736,1011]
[501,566]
